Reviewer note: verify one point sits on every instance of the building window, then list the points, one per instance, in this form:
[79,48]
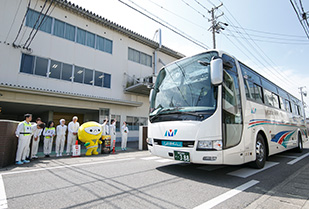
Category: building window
[63,71]
[41,66]
[34,19]
[66,72]
[78,74]
[104,45]
[134,123]
[90,39]
[139,57]
[88,77]
[107,80]
[59,28]
[55,69]
[27,62]
[118,118]
[98,78]
[81,36]
[69,32]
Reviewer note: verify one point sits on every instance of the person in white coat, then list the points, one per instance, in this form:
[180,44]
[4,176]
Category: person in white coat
[60,139]
[72,134]
[112,132]
[124,136]
[23,133]
[49,133]
[36,132]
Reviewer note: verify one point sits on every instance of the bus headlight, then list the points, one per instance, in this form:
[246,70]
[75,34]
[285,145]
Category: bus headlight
[149,141]
[209,144]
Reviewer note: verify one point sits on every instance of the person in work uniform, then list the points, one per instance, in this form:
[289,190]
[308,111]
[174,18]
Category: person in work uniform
[124,136]
[23,133]
[36,132]
[112,130]
[72,134]
[61,131]
[49,133]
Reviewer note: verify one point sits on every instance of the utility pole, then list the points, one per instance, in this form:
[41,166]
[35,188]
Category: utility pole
[303,93]
[216,26]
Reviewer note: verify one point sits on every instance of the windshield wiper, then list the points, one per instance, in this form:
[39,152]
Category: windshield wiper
[163,111]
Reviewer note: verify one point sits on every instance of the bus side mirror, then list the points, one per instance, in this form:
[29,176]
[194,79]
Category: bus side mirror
[216,71]
[150,95]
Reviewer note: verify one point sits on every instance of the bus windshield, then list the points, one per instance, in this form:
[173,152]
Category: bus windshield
[185,87]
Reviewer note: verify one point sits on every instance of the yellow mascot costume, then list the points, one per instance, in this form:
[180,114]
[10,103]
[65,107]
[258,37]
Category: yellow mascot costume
[90,133]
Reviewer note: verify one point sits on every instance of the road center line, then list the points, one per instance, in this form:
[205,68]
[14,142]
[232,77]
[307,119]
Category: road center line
[298,159]
[65,166]
[3,201]
[221,198]
[246,172]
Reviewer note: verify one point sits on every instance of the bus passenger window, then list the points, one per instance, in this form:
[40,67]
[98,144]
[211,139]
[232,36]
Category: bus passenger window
[275,100]
[288,106]
[282,106]
[268,97]
[257,93]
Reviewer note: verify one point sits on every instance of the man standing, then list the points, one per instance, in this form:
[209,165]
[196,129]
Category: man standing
[112,132]
[36,132]
[72,135]
[61,130]
[124,136]
[23,133]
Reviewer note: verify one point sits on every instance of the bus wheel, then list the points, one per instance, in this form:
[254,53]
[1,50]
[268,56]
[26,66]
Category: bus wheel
[299,148]
[260,150]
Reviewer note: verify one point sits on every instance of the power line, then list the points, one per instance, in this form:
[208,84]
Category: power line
[180,33]
[37,29]
[264,54]
[268,41]
[269,34]
[22,22]
[194,9]
[24,32]
[307,34]
[193,23]
[304,15]
[201,5]
[37,20]
[13,21]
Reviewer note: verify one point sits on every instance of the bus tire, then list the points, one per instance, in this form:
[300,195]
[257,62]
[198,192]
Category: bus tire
[299,147]
[260,150]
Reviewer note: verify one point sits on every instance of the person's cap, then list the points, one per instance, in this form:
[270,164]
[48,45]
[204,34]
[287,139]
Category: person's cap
[75,117]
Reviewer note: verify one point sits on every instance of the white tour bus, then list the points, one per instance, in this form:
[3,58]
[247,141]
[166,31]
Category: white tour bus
[212,109]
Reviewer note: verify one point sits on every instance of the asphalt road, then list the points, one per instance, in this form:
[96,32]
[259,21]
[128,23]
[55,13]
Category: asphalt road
[140,180]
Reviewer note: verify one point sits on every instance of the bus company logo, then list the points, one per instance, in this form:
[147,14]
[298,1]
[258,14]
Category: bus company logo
[171,132]
[253,110]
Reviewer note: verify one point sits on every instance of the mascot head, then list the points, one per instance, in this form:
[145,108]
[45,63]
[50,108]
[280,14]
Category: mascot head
[89,131]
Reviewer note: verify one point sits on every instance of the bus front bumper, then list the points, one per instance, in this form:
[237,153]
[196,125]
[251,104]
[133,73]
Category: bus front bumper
[198,157]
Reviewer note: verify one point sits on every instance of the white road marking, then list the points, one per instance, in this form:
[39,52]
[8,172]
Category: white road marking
[3,201]
[66,166]
[298,159]
[164,160]
[246,172]
[227,195]
[210,168]
[286,156]
[151,158]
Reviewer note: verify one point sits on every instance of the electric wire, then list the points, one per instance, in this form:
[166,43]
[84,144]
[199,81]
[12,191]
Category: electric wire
[34,26]
[194,9]
[269,61]
[204,46]
[7,36]
[37,29]
[22,22]
[202,5]
[304,15]
[24,32]
[307,34]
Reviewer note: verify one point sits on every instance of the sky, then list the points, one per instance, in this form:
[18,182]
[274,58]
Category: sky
[265,35]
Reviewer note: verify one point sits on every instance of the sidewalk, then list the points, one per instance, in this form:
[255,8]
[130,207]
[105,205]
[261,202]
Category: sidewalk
[291,193]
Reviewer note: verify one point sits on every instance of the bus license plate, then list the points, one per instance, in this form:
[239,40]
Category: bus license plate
[182,156]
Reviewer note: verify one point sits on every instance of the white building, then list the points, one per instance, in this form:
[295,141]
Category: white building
[78,63]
